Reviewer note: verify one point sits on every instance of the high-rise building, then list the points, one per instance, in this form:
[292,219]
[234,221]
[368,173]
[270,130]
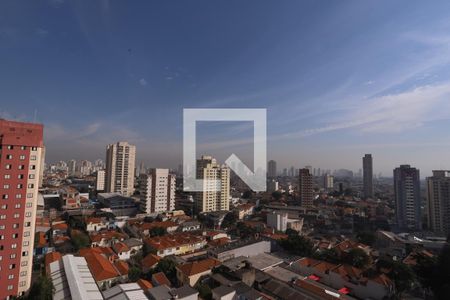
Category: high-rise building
[407,197]
[72,167]
[157,191]
[216,185]
[438,198]
[305,186]
[367,176]
[272,169]
[328,182]
[100,180]
[21,155]
[120,162]
[272,186]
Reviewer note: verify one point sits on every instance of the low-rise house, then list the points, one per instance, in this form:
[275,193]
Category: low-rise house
[103,271]
[135,245]
[160,279]
[49,258]
[150,262]
[144,229]
[190,273]
[94,224]
[107,252]
[163,292]
[245,210]
[122,250]
[176,244]
[106,238]
[223,292]
[346,277]
[240,248]
[190,226]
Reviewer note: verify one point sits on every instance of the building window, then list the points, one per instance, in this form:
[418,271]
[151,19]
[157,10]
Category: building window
[14,246]
[32,167]
[9,156]
[24,263]
[2,227]
[28,214]
[12,256]
[29,204]
[31,176]
[19,186]
[2,237]
[26,233]
[4,206]
[23,147]
[30,195]
[33,148]
[2,217]
[12,266]
[16,225]
[10,276]
[26,243]
[4,196]
[7,176]
[30,185]
[23,283]
[17,205]
[16,235]
[8,167]
[33,157]
[23,273]
[10,287]
[21,167]
[10,147]
[6,186]
[22,157]
[20,176]
[16,216]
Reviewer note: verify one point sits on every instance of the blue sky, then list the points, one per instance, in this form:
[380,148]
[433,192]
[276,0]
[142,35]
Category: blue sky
[338,78]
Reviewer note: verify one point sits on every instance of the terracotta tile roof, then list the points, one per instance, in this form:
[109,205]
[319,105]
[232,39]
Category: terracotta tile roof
[347,245]
[383,280]
[41,239]
[308,262]
[160,279]
[107,235]
[150,260]
[324,266]
[122,267]
[173,240]
[144,284]
[52,257]
[120,247]
[197,267]
[105,251]
[148,226]
[219,242]
[348,271]
[61,226]
[101,268]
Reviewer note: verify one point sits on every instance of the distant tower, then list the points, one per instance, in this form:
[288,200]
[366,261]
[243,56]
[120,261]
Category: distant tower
[438,198]
[328,182]
[120,162]
[305,187]
[407,197]
[367,176]
[272,169]
[211,198]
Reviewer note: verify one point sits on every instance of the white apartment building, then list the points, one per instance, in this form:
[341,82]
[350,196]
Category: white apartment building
[100,180]
[157,190]
[120,163]
[216,185]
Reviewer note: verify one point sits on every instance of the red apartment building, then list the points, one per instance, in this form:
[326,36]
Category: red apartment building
[21,166]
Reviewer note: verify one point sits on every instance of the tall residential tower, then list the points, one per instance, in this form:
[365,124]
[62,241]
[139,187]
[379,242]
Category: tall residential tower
[216,185]
[120,162]
[21,156]
[407,198]
[438,197]
[157,191]
[305,186]
[367,176]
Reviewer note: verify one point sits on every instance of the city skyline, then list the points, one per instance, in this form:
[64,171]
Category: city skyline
[125,78]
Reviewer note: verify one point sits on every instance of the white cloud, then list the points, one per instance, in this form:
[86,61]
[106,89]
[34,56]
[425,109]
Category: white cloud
[390,113]
[143,82]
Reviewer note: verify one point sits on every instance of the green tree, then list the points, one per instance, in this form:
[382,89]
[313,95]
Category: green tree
[42,289]
[229,220]
[291,231]
[357,258]
[298,245]
[329,255]
[134,274]
[79,240]
[403,277]
[247,194]
[157,231]
[245,231]
[168,267]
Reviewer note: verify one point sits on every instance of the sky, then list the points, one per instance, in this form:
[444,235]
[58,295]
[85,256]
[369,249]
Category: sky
[338,78]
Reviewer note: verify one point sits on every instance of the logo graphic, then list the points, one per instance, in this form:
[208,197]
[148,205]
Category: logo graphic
[256,180]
